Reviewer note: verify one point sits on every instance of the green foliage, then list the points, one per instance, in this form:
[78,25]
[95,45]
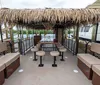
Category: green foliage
[33,31]
[14,31]
[50,31]
[24,32]
[30,31]
[43,31]
[69,31]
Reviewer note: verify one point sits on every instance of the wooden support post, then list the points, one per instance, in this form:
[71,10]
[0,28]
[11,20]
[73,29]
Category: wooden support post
[20,42]
[1,33]
[18,32]
[77,39]
[12,40]
[1,36]
[6,31]
[33,32]
[68,39]
[57,33]
[74,33]
[96,32]
[6,34]
[27,34]
[11,34]
[62,37]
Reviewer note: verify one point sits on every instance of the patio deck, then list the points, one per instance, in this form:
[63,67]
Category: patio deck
[62,75]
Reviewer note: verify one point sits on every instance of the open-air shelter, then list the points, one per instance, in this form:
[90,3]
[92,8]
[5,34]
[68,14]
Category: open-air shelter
[58,19]
[67,71]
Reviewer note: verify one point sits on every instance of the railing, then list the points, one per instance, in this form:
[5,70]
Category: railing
[16,46]
[24,45]
[27,44]
[70,44]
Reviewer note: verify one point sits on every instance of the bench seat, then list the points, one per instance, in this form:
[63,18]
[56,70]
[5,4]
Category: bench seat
[96,75]
[2,78]
[11,61]
[85,63]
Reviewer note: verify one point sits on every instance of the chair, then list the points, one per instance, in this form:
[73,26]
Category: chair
[62,50]
[54,54]
[41,54]
[34,50]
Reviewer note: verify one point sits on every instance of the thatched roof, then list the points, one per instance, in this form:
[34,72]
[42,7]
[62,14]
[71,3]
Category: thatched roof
[65,17]
[96,4]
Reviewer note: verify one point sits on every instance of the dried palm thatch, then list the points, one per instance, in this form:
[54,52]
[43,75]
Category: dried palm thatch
[68,17]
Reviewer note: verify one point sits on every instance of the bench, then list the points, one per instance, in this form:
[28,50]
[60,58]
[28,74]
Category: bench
[10,60]
[2,78]
[96,75]
[86,61]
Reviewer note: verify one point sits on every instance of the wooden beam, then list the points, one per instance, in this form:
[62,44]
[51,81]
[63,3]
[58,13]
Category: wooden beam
[95,27]
[11,34]
[62,36]
[1,33]
[48,25]
[96,31]
[56,33]
[77,39]
[27,33]
[6,34]
[18,32]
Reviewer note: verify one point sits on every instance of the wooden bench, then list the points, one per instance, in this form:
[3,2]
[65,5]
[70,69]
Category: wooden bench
[86,61]
[96,74]
[10,60]
[2,78]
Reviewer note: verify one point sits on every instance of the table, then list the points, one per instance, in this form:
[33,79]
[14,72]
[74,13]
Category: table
[48,45]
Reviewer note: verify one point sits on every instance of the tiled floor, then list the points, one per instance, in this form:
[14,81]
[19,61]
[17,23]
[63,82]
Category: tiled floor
[62,75]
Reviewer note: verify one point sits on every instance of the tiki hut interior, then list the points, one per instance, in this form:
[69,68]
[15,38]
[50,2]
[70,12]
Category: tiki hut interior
[70,63]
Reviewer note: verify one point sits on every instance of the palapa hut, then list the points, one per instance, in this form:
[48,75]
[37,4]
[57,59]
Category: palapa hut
[57,18]
[68,72]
